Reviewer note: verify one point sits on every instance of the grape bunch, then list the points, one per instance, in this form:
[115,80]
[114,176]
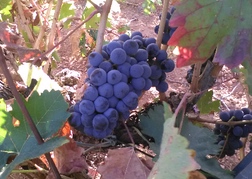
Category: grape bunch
[229,136]
[168,31]
[116,78]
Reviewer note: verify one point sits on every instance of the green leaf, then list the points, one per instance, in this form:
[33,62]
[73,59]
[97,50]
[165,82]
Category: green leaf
[204,26]
[94,22]
[152,124]
[206,105]
[175,159]
[48,111]
[31,150]
[28,71]
[66,11]
[202,141]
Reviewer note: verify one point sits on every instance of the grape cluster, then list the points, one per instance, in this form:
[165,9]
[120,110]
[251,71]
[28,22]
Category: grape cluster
[116,78]
[229,136]
[168,31]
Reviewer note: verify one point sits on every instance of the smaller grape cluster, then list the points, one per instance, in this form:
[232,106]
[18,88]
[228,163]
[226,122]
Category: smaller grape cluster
[116,78]
[229,136]
[168,31]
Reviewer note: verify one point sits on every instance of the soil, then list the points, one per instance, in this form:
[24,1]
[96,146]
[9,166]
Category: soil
[130,13]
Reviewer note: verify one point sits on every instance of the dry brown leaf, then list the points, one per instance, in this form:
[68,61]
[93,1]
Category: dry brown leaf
[196,175]
[68,158]
[123,163]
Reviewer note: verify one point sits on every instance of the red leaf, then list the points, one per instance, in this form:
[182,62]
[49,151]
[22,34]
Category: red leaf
[123,163]
[68,158]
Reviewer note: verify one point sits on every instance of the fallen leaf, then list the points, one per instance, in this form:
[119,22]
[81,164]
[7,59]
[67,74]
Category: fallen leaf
[68,158]
[123,163]
[196,175]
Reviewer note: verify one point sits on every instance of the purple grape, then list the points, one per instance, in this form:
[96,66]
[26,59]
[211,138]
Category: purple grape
[106,90]
[237,131]
[138,83]
[95,59]
[131,100]
[136,71]
[91,93]
[224,116]
[114,77]
[121,89]
[86,107]
[130,47]
[162,87]
[101,104]
[98,77]
[118,56]
[100,122]
[75,119]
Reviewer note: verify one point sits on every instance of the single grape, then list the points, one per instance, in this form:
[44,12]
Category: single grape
[162,55]
[90,70]
[162,87]
[148,84]
[246,110]
[133,61]
[247,117]
[224,129]
[152,50]
[86,107]
[154,82]
[224,116]
[235,144]
[245,132]
[237,131]
[124,37]
[121,89]
[124,68]
[106,66]
[138,37]
[118,56]
[105,55]
[147,71]
[112,46]
[112,115]
[221,143]
[138,83]
[136,33]
[131,100]
[216,131]
[231,113]
[75,119]
[88,131]
[172,30]
[86,120]
[124,78]
[101,104]
[139,42]
[91,93]
[156,28]
[130,47]
[113,101]
[100,122]
[148,41]
[156,72]
[98,77]
[167,65]
[122,107]
[114,77]
[238,114]
[95,59]
[162,77]
[141,55]
[166,37]
[136,71]
[106,90]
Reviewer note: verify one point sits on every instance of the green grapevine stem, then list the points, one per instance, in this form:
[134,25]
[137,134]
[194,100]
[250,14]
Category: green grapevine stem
[25,111]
